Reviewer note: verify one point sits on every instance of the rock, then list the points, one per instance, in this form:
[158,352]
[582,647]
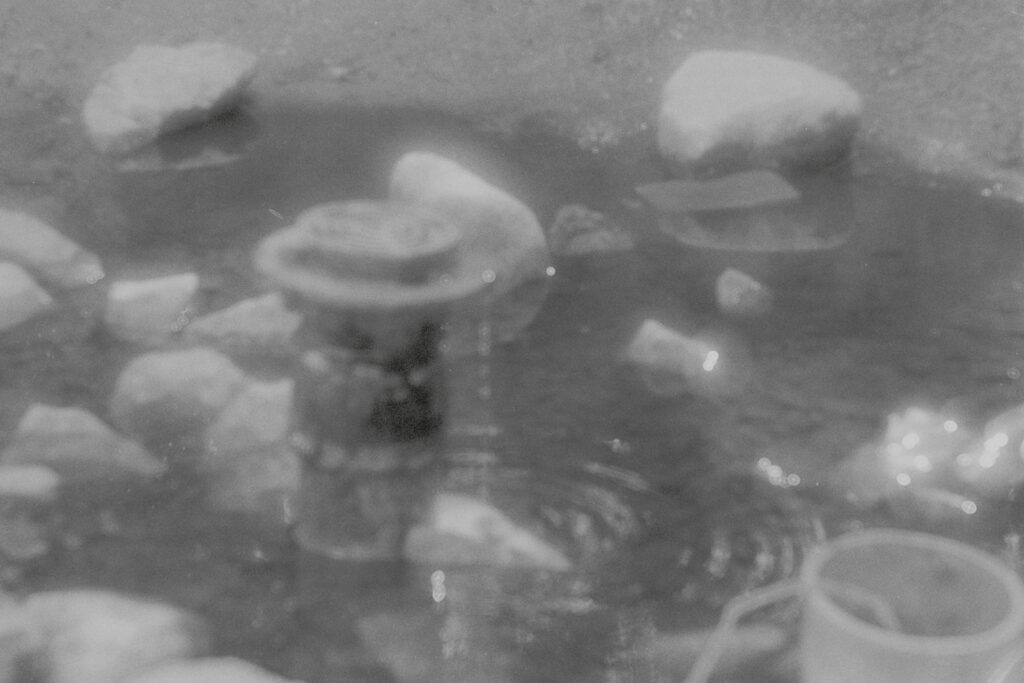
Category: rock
[149,311]
[20,297]
[755,108]
[52,257]
[88,455]
[248,465]
[164,397]
[672,364]
[207,670]
[27,513]
[94,636]
[159,89]
[740,295]
[259,324]
[19,639]
[466,530]
[501,234]
[578,231]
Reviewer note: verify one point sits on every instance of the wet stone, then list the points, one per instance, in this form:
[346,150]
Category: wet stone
[87,454]
[96,636]
[208,670]
[27,511]
[149,311]
[262,324]
[44,251]
[159,89]
[501,236]
[247,464]
[749,107]
[465,530]
[21,298]
[165,397]
[579,231]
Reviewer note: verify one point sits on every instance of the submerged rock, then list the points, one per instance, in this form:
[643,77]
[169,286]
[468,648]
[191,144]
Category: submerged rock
[164,397]
[248,465]
[578,231]
[501,235]
[43,250]
[465,530]
[20,297]
[671,363]
[207,670]
[260,324]
[86,453]
[159,89]
[149,311]
[19,640]
[737,294]
[27,511]
[755,108]
[95,636]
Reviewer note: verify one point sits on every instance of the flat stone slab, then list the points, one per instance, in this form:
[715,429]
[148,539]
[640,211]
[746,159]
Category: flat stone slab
[159,89]
[757,109]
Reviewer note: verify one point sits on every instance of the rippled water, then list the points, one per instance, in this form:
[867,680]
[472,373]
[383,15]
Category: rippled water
[670,505]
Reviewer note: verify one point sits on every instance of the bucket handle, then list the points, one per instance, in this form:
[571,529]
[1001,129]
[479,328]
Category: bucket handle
[739,607]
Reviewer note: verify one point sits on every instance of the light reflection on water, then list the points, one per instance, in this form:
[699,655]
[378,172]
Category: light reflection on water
[669,506]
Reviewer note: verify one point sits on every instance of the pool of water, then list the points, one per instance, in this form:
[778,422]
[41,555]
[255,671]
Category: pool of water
[922,305]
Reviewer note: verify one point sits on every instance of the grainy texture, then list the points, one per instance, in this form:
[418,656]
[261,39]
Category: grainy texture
[942,79]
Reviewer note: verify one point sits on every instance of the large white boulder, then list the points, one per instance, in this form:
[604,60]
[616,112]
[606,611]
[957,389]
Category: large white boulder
[207,670]
[21,297]
[83,450]
[158,89]
[149,311]
[247,463]
[94,636]
[757,106]
[172,395]
[501,234]
[52,257]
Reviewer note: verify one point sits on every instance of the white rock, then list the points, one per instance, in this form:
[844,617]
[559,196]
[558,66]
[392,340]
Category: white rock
[248,465]
[171,394]
[52,257]
[465,530]
[772,108]
[672,363]
[149,311]
[19,639]
[158,89]
[261,323]
[579,231]
[80,448]
[207,670]
[94,636]
[33,484]
[20,297]
[27,512]
[740,295]
[501,234]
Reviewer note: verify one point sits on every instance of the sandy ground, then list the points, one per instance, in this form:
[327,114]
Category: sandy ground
[943,80]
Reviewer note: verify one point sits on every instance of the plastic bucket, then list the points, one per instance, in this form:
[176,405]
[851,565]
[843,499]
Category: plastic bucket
[902,607]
